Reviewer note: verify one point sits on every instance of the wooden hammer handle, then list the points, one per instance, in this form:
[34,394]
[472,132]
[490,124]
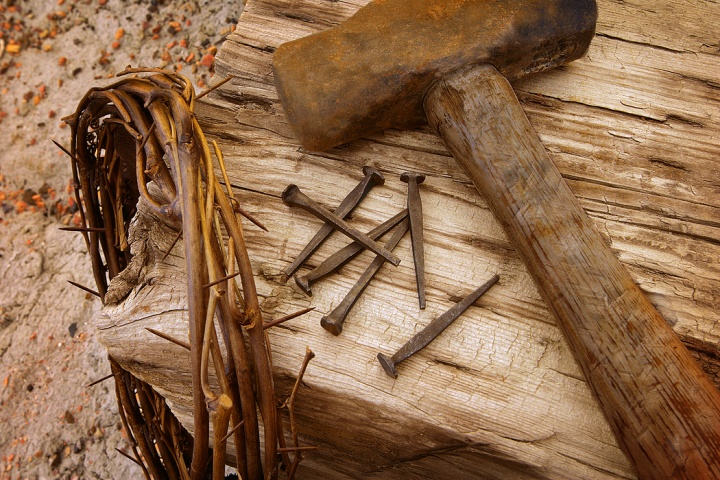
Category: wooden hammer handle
[664,410]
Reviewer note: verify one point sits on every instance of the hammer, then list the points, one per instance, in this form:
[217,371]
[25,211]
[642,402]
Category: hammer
[400,63]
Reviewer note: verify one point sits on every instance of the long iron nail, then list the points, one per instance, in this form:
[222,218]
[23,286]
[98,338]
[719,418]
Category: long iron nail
[372,178]
[333,322]
[434,328]
[292,196]
[345,254]
[414,205]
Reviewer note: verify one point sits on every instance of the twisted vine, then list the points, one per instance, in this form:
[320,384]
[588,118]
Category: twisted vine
[138,140]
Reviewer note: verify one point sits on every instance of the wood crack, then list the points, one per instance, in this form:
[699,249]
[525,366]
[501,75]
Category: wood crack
[641,44]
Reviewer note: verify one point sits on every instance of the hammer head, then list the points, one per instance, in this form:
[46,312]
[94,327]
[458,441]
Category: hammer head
[371,72]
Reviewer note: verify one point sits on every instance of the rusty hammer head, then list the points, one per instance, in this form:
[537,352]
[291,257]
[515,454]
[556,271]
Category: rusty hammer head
[371,72]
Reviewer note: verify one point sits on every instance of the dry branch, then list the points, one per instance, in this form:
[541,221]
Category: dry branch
[137,142]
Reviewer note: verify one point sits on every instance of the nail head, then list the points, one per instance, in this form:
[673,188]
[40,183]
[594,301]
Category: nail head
[388,365]
[407,176]
[288,193]
[376,175]
[331,326]
[304,284]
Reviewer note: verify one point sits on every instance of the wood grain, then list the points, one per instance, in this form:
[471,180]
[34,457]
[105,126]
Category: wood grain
[634,129]
[664,410]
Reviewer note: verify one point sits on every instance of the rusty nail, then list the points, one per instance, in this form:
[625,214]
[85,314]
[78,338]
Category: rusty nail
[292,196]
[345,254]
[421,339]
[372,178]
[414,205]
[333,322]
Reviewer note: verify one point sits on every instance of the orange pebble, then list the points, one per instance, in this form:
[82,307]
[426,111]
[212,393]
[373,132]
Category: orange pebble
[207,60]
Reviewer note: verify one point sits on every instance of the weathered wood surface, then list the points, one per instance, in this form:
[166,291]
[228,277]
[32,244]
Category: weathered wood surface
[635,130]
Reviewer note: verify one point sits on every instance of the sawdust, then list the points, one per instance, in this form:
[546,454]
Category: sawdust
[53,425]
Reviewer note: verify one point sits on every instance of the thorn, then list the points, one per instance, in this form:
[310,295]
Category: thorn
[147,136]
[167,337]
[238,209]
[82,229]
[127,456]
[64,149]
[309,355]
[280,320]
[218,85]
[172,245]
[296,449]
[232,431]
[220,280]
[99,380]
[81,287]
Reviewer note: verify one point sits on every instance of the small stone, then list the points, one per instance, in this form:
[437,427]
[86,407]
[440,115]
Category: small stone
[78,447]
[69,418]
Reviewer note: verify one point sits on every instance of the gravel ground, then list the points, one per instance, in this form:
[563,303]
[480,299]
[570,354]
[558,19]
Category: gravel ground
[53,51]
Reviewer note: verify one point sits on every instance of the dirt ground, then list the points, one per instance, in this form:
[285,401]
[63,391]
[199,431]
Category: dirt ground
[53,51]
